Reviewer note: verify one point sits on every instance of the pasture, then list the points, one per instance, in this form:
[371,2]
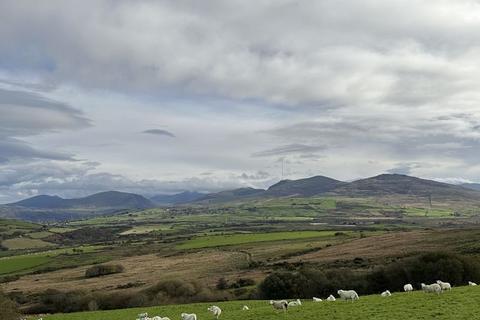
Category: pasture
[243,238]
[460,303]
[25,243]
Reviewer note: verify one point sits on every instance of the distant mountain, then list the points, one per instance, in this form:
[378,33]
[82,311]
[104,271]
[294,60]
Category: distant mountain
[303,187]
[403,185]
[472,186]
[107,199]
[45,208]
[179,198]
[231,195]
[42,201]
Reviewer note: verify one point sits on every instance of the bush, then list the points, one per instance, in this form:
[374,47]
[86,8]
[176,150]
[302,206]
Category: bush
[8,308]
[426,268]
[103,269]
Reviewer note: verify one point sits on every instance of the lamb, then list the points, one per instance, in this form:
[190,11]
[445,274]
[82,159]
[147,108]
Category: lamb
[444,285]
[245,308]
[386,293]
[331,298]
[408,287]
[295,303]
[470,283]
[216,311]
[188,316]
[279,305]
[432,288]
[315,299]
[348,295]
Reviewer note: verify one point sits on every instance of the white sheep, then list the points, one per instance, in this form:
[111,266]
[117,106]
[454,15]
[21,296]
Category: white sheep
[331,298]
[245,308]
[160,318]
[444,285]
[470,283]
[215,310]
[295,303]
[348,295]
[188,316]
[432,288]
[279,305]
[386,293]
[142,315]
[315,299]
[408,287]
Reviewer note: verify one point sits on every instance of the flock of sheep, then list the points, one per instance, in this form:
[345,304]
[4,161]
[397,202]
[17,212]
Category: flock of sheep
[283,305]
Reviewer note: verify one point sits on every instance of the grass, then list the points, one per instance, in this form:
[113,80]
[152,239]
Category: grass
[460,303]
[39,235]
[25,243]
[235,239]
[19,263]
[26,262]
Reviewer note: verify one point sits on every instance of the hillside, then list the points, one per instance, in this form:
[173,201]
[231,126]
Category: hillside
[54,208]
[303,187]
[178,198]
[460,303]
[108,199]
[232,195]
[402,185]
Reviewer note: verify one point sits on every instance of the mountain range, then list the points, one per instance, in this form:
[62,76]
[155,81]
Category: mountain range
[394,187]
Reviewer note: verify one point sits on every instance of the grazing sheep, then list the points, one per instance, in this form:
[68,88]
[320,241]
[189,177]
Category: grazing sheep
[216,311]
[142,316]
[160,318]
[348,295]
[444,285]
[386,293]
[295,303]
[279,305]
[245,308]
[408,287]
[315,299]
[470,283]
[331,298]
[432,288]
[188,316]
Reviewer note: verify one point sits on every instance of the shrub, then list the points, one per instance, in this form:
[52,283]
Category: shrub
[8,308]
[103,269]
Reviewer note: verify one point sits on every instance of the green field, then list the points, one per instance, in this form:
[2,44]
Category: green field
[25,243]
[460,303]
[18,263]
[242,238]
[21,263]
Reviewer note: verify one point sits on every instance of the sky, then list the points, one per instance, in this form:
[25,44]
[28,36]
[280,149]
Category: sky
[165,96]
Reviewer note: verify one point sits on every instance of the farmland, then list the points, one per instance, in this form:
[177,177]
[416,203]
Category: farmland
[460,303]
[247,240]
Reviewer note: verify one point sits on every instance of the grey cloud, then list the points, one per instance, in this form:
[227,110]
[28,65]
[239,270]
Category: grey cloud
[295,148]
[159,132]
[13,149]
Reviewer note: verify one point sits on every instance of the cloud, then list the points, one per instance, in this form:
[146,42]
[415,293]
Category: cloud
[159,132]
[289,149]
[24,114]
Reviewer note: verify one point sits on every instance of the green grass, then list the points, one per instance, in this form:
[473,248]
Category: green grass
[27,262]
[242,238]
[25,243]
[19,263]
[460,303]
[39,235]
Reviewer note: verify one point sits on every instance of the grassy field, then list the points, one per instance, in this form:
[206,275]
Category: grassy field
[460,303]
[21,263]
[18,263]
[25,243]
[235,239]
